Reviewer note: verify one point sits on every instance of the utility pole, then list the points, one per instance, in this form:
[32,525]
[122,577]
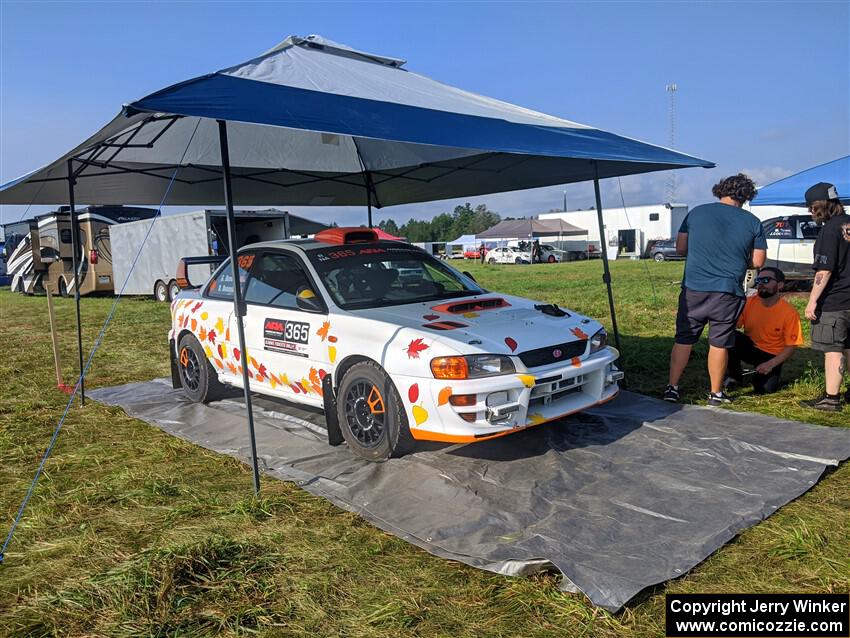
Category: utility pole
[670,190]
[565,200]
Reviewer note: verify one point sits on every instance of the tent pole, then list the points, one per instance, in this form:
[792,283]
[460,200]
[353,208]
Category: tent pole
[239,308]
[606,277]
[369,197]
[75,248]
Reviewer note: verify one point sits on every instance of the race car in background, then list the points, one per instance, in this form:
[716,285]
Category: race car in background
[395,345]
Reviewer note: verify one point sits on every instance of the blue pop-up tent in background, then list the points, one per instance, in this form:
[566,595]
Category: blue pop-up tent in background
[790,190]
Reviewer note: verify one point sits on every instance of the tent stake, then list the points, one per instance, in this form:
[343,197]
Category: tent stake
[606,277]
[238,303]
[75,248]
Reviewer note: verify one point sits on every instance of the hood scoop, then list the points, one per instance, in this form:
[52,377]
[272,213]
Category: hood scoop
[552,310]
[473,305]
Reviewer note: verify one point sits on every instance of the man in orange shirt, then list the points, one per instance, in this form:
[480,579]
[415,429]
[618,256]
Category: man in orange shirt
[771,334]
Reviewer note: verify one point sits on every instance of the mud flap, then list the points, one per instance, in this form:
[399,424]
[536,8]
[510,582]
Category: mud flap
[175,371]
[331,417]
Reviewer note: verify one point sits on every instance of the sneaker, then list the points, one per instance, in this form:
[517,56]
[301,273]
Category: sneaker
[716,399]
[824,403]
[671,394]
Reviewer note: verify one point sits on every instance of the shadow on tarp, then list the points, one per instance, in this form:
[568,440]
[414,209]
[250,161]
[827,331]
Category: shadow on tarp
[619,498]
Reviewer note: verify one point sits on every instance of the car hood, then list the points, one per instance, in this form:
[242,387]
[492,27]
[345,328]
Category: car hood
[489,323]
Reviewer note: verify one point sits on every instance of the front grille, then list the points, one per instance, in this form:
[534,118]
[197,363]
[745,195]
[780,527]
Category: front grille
[544,356]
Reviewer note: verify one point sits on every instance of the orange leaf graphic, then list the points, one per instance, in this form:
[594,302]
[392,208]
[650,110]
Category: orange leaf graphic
[323,331]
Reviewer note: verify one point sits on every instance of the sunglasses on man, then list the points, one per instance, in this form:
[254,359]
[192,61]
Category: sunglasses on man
[764,280]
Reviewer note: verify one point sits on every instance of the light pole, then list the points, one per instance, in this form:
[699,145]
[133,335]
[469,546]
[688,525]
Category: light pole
[565,200]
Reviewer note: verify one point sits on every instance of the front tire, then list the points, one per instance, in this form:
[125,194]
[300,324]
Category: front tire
[371,415]
[491,260]
[160,291]
[62,287]
[518,260]
[551,259]
[659,257]
[197,376]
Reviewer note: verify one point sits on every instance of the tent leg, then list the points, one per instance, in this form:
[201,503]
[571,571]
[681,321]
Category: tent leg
[370,211]
[606,277]
[75,249]
[238,303]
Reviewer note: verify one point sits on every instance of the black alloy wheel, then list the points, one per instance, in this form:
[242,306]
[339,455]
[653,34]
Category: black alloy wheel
[371,414]
[197,376]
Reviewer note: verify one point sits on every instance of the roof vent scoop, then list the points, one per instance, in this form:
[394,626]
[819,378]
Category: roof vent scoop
[350,235]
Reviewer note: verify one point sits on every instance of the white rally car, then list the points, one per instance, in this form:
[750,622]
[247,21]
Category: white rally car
[508,256]
[393,344]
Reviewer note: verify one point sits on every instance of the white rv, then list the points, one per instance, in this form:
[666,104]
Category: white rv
[628,231]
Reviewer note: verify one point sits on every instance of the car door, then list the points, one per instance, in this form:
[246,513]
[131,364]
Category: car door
[214,326]
[284,347]
[804,250]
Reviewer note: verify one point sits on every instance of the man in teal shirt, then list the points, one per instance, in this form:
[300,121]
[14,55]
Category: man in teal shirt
[720,241]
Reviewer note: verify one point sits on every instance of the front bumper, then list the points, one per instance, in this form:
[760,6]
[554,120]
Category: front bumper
[507,403]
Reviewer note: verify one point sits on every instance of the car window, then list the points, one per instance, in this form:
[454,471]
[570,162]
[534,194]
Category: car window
[221,287]
[808,229]
[371,277]
[276,279]
[778,229]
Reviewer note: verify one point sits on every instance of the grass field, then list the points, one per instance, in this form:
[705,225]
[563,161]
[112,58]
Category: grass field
[133,532]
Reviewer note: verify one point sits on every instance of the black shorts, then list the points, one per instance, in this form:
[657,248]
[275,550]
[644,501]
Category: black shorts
[718,309]
[831,331]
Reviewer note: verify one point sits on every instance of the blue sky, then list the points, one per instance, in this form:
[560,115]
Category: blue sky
[764,87]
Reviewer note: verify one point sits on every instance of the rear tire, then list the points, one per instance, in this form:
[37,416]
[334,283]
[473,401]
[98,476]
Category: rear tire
[659,257]
[197,376]
[371,415]
[491,260]
[160,291]
[551,259]
[62,287]
[518,260]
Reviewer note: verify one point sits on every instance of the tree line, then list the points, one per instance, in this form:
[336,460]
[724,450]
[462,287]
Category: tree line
[464,220]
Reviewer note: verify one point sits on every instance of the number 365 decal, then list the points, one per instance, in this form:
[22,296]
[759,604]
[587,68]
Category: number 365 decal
[286,336]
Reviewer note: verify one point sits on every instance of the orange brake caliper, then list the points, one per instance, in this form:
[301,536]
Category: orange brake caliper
[184,357]
[375,401]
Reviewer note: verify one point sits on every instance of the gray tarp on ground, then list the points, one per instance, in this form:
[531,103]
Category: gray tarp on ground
[625,496]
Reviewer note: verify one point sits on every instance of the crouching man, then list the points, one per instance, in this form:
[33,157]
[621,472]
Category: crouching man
[771,334]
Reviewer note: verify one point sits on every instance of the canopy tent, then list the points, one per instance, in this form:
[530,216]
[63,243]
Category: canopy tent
[467,241]
[313,122]
[528,228]
[790,191]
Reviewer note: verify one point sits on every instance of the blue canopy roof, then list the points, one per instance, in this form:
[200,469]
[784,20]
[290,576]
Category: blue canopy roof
[315,122]
[790,191]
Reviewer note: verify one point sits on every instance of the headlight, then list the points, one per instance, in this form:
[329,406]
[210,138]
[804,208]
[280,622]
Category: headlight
[599,341]
[473,366]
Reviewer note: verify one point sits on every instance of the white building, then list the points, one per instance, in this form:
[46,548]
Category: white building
[631,228]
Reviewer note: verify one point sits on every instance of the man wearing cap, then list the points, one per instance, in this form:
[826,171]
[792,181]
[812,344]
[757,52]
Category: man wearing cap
[829,302]
[720,240]
[771,334]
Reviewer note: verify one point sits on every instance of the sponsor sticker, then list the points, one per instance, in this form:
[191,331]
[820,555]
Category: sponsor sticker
[287,337]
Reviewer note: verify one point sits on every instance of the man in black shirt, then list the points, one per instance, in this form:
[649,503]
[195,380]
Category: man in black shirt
[829,301]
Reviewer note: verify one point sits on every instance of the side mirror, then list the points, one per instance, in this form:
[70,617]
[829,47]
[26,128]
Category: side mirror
[468,274]
[308,301]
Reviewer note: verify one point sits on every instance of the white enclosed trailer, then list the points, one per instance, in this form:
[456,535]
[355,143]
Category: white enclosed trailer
[628,229]
[193,234]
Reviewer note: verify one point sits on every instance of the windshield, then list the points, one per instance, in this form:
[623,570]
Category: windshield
[372,276]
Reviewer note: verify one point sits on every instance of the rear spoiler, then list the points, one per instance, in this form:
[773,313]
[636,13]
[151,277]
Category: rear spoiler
[183,268]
